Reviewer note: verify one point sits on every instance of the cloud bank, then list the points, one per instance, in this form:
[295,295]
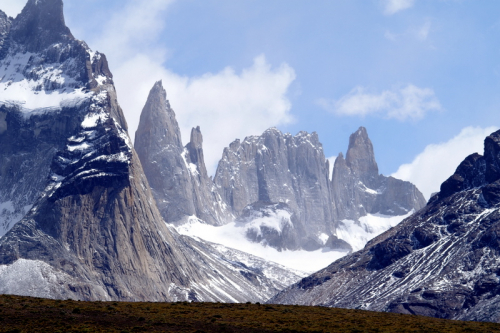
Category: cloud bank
[410,102]
[439,161]
[228,104]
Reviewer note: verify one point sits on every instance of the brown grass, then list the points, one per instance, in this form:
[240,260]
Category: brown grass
[26,314]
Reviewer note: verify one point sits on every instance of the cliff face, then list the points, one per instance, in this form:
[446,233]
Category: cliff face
[277,168]
[440,262]
[93,231]
[177,174]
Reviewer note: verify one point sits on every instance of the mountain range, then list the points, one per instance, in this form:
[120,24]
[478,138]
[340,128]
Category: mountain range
[86,214]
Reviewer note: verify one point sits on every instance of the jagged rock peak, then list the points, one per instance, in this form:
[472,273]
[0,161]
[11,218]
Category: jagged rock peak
[196,137]
[158,119]
[40,24]
[195,151]
[360,156]
[280,168]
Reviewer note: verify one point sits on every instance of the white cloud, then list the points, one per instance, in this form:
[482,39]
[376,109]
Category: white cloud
[393,6]
[12,7]
[439,161]
[410,102]
[332,163]
[134,29]
[226,105]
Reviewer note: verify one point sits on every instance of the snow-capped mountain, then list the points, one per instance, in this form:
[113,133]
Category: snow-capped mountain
[43,79]
[290,171]
[443,261]
[92,229]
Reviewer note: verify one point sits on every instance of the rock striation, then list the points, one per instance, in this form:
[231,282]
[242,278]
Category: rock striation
[441,262]
[93,230]
[177,174]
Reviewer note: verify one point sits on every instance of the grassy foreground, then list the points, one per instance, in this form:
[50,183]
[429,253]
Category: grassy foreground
[25,314]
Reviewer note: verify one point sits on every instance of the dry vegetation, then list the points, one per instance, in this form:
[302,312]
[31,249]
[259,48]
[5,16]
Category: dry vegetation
[25,314]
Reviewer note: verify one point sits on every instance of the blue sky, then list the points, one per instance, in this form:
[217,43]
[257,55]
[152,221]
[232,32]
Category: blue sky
[415,73]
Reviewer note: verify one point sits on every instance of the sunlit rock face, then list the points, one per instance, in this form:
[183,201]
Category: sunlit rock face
[441,262]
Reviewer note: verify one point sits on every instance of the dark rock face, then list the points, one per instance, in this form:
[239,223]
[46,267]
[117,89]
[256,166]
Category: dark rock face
[93,231]
[358,189]
[441,262]
[177,174]
[5,23]
[29,139]
[280,168]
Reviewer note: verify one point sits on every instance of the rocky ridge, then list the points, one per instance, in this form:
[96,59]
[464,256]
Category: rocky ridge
[441,262]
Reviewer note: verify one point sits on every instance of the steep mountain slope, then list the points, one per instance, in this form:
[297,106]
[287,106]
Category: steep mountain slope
[177,174]
[441,262]
[94,231]
[49,70]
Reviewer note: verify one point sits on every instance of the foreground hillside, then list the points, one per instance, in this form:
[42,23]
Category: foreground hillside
[25,314]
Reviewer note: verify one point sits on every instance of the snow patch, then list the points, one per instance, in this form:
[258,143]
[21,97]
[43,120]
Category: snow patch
[323,238]
[276,220]
[233,235]
[91,120]
[30,94]
[31,278]
[358,233]
[190,166]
